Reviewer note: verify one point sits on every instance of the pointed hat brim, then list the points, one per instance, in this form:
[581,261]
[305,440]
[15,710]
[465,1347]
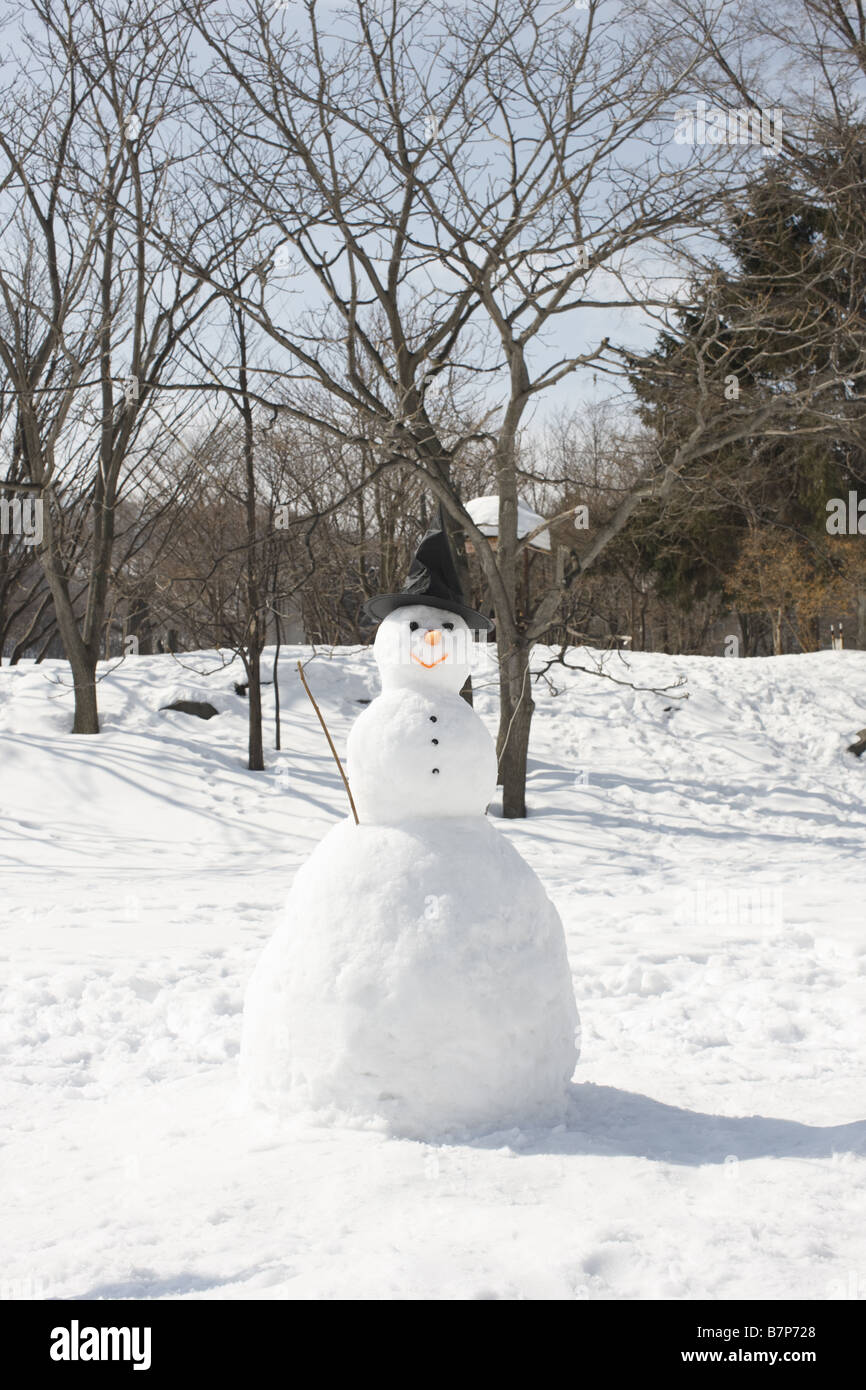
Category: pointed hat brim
[379,607]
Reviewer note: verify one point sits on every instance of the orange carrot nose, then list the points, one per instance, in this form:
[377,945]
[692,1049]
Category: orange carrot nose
[433,637]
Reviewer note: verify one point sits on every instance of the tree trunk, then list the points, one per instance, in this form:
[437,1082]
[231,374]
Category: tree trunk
[81,657]
[82,663]
[512,750]
[861,617]
[254,691]
[86,720]
[256,629]
[279,635]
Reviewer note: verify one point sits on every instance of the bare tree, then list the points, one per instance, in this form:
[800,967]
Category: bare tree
[91,157]
[452,193]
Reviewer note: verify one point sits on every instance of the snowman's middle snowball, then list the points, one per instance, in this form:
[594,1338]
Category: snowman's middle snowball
[411,755]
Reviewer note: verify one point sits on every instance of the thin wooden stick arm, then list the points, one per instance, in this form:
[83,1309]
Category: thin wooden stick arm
[330,740]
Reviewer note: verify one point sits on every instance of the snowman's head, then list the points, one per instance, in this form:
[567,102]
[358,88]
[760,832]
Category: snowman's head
[423,648]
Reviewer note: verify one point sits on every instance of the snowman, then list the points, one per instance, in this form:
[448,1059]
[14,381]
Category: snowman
[418,982]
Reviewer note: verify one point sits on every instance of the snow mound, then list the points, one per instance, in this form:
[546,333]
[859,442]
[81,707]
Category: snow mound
[440,1005]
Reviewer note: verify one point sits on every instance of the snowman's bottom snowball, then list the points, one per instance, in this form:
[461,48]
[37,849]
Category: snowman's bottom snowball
[419,980]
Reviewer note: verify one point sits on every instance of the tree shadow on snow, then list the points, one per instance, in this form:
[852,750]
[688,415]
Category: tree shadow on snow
[606,1121]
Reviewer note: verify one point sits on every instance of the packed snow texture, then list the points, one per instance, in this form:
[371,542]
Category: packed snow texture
[706,859]
[420,979]
[391,757]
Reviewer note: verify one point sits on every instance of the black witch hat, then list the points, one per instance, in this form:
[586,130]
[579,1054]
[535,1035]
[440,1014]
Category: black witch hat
[433,581]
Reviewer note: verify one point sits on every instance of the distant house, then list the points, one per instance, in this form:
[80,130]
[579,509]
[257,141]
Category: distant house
[539,551]
[485,513]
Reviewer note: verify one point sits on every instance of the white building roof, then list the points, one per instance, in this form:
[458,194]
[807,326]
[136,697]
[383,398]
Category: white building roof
[485,513]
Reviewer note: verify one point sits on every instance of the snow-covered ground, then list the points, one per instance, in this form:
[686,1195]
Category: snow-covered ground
[707,858]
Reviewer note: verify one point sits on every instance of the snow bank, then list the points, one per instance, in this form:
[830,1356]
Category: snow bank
[706,859]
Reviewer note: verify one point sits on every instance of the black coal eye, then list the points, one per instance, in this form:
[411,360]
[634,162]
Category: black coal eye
[414,626]
[449,626]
